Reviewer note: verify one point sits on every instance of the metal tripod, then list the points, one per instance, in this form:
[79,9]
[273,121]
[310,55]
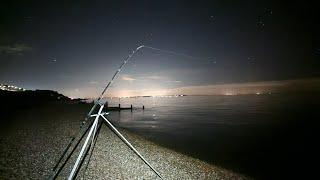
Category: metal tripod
[94,128]
[92,135]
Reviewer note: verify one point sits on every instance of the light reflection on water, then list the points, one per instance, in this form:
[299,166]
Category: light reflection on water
[189,112]
[246,133]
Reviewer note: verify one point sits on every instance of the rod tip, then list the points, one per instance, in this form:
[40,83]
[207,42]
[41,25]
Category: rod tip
[141,46]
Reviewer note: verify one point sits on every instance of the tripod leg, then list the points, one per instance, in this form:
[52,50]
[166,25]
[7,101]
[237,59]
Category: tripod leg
[76,165]
[129,144]
[86,152]
[68,157]
[74,137]
[94,133]
[81,162]
[70,143]
[92,147]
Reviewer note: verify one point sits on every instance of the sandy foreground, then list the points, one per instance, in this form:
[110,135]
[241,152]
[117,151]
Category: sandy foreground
[32,145]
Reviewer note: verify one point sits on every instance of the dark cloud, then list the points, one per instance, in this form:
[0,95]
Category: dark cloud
[15,49]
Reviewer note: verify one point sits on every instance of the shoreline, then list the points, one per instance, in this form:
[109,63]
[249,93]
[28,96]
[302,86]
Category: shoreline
[31,146]
[170,164]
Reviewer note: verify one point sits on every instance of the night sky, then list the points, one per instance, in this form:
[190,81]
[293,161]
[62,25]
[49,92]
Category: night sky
[75,47]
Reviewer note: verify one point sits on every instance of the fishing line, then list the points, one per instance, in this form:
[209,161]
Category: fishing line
[174,53]
[127,60]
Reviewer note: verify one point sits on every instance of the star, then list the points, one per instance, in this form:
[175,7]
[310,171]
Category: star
[53,60]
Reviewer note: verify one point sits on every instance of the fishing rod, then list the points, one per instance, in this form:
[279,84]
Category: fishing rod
[57,172]
[113,78]
[99,102]
[94,106]
[126,61]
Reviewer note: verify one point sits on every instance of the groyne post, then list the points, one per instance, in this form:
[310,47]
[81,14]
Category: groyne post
[106,106]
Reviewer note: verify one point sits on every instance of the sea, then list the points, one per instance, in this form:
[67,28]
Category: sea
[265,136]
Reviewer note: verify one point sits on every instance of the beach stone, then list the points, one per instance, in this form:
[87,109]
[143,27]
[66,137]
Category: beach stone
[30,151]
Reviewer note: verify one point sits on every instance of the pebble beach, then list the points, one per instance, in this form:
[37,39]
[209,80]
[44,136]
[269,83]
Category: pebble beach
[32,144]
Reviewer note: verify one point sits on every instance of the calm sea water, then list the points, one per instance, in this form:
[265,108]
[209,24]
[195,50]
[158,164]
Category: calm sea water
[263,136]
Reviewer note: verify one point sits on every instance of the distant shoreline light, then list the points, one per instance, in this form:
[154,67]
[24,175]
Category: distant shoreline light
[233,89]
[177,95]
[6,87]
[182,95]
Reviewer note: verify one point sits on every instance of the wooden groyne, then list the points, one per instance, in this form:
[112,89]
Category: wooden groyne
[119,107]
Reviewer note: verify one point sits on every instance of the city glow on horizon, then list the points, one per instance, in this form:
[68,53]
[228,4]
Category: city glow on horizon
[266,87]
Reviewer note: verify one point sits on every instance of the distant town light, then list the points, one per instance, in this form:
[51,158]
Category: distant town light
[6,87]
